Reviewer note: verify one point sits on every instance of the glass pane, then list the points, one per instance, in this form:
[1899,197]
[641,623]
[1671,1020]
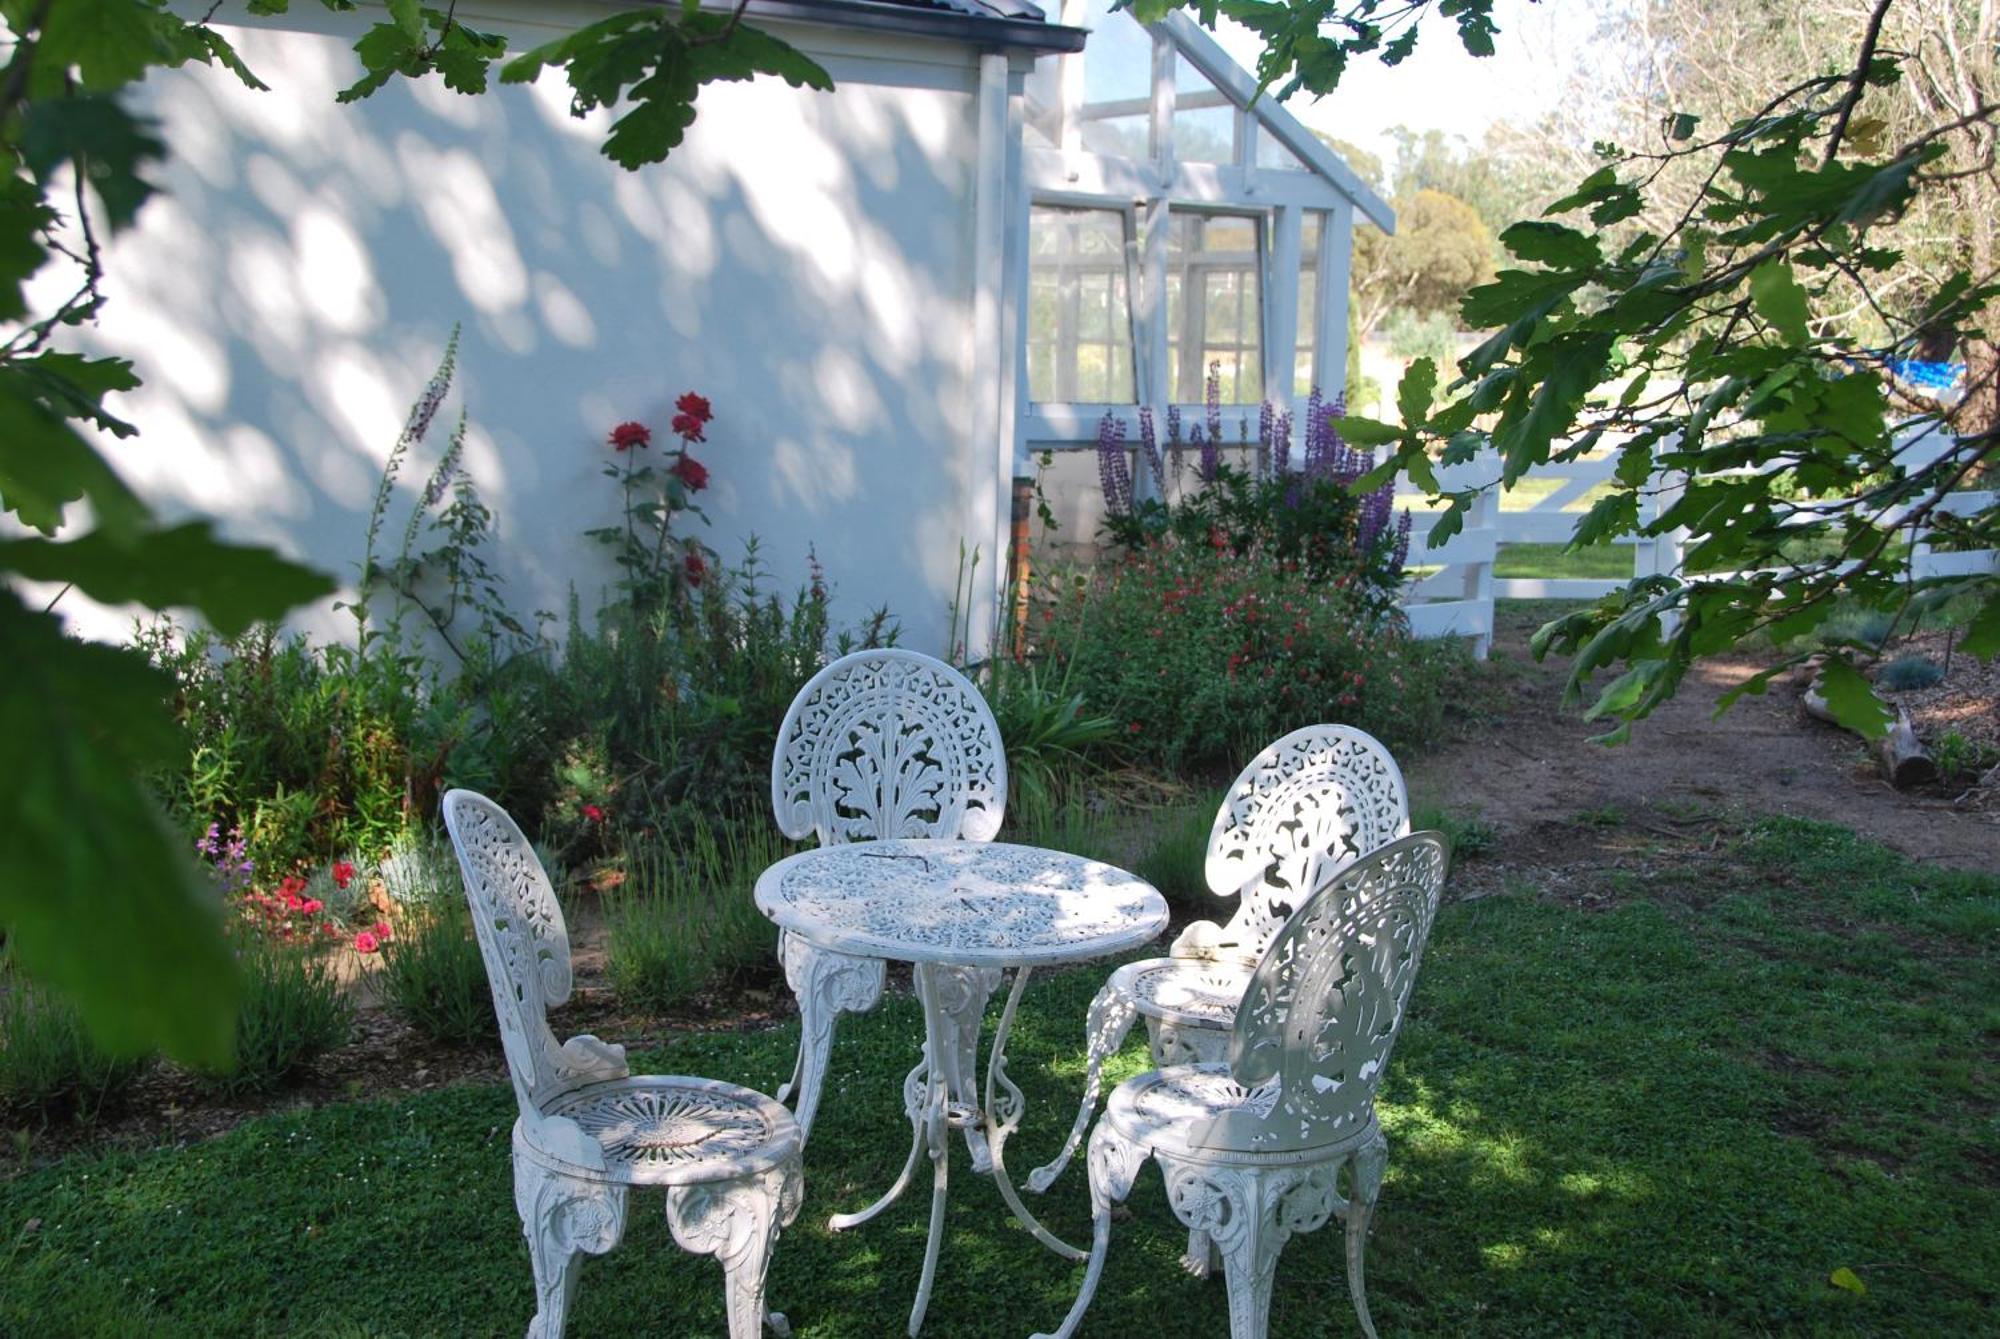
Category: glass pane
[1204,118]
[1270,153]
[1042,91]
[1117,84]
[1214,307]
[1079,321]
[1310,230]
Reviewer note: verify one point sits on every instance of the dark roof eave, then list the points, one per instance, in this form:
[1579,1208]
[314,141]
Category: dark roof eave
[871,16]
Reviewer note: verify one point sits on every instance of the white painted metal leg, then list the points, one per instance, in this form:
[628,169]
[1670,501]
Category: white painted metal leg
[826,985]
[1114,1164]
[1004,1106]
[564,1219]
[738,1222]
[1108,1023]
[963,994]
[916,1105]
[1370,1161]
[938,1035]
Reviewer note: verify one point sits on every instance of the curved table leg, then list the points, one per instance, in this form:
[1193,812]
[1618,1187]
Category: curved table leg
[916,1106]
[827,984]
[1004,1106]
[962,996]
[939,1035]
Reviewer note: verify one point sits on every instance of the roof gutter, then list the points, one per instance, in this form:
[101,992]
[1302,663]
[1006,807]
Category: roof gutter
[867,16]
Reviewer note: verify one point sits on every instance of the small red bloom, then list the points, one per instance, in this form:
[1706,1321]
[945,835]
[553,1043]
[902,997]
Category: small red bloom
[343,873]
[697,567]
[366,942]
[688,428]
[691,472]
[628,435]
[383,931]
[695,407]
[312,906]
[593,813]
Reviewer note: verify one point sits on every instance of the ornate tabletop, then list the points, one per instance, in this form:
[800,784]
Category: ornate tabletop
[969,904]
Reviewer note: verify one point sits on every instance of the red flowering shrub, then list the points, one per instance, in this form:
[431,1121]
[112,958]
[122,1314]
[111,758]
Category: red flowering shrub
[1205,655]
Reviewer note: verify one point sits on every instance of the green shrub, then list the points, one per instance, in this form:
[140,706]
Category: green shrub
[292,1011]
[433,975]
[1203,656]
[684,919]
[1176,852]
[48,1065]
[1052,738]
[1908,672]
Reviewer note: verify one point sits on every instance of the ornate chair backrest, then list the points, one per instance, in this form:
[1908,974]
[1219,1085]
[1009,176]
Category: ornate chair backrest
[1315,1029]
[521,936]
[1323,792]
[884,744]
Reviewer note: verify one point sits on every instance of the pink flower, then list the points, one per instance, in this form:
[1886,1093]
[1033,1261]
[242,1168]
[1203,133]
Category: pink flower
[593,813]
[691,472]
[343,873]
[383,931]
[366,942]
[628,435]
[312,906]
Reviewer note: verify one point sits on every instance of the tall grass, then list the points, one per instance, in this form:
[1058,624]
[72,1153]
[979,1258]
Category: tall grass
[1176,852]
[433,975]
[292,1011]
[684,921]
[48,1065]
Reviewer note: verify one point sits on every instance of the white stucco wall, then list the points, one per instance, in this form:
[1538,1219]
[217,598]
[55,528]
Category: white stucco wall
[804,260]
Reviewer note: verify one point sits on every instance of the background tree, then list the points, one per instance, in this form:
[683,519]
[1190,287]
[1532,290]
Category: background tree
[1440,249]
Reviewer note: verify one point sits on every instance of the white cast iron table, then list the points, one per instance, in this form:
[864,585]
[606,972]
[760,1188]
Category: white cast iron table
[963,913]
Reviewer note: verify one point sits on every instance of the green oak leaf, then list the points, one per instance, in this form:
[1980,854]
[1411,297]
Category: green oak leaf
[1778,299]
[1852,700]
[98,897]
[233,585]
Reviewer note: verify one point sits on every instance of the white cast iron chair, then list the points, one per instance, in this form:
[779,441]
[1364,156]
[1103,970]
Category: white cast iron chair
[1252,1150]
[1325,792]
[884,744]
[589,1128]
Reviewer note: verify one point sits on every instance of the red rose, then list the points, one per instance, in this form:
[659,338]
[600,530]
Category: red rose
[688,428]
[695,406]
[697,567]
[628,435]
[691,472]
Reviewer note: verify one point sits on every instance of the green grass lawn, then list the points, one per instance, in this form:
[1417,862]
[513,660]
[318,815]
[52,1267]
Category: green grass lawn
[1677,1112]
[1608,561]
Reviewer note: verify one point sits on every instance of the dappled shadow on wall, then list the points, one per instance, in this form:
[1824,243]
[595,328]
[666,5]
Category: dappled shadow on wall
[803,260]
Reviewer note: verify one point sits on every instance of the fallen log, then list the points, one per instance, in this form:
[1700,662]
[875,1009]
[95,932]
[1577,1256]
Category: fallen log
[1901,755]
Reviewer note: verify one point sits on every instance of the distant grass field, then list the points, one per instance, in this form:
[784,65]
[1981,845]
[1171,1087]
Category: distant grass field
[1609,561]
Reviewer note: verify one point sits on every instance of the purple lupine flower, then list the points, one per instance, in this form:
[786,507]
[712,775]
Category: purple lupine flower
[1114,474]
[1281,454]
[1215,401]
[1175,446]
[1150,444]
[1266,422]
[1211,455]
[1402,552]
[1315,442]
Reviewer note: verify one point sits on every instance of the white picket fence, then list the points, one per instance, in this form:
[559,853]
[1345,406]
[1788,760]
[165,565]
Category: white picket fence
[1456,600]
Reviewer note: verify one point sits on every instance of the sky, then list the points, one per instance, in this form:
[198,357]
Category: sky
[1440,86]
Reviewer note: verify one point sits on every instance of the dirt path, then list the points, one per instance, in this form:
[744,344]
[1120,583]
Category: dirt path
[1530,770]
